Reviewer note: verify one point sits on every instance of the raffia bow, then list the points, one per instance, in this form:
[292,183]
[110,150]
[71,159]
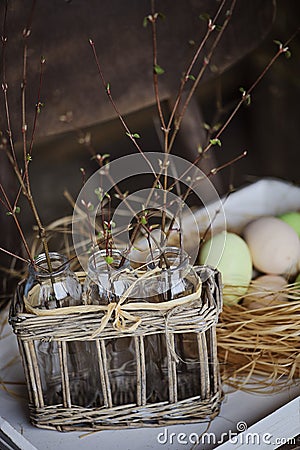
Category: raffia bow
[124,320]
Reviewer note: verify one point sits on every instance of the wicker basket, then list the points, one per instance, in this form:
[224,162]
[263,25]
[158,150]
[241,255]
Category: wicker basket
[198,319]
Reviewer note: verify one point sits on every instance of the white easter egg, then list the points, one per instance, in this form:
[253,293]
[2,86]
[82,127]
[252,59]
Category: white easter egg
[274,246]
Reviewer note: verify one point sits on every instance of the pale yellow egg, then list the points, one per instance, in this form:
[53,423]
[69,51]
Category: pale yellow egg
[229,253]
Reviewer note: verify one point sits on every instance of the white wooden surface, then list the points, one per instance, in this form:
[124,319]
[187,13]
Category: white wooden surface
[276,429]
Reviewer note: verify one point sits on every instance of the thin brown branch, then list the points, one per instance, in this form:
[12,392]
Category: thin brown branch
[153,19]
[4,40]
[210,29]
[138,225]
[13,255]
[211,173]
[12,211]
[37,107]
[27,155]
[206,62]
[246,94]
[5,84]
[27,29]
[27,193]
[108,92]
[215,170]
[9,129]
[23,109]
[23,178]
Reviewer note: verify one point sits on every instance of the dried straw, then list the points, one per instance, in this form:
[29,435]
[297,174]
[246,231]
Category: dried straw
[260,348]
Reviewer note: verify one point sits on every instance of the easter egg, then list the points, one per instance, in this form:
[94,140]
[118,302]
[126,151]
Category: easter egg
[229,253]
[274,246]
[264,291]
[293,219]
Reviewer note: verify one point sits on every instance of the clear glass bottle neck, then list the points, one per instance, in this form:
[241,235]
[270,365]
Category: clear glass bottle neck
[109,276]
[172,260]
[98,263]
[52,289]
[176,277]
[40,269]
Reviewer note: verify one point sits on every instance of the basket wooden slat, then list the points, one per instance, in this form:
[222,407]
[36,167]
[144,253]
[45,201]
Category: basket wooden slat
[197,320]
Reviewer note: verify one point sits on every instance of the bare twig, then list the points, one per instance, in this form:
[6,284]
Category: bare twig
[206,62]
[13,255]
[152,19]
[244,99]
[166,129]
[246,94]
[210,28]
[23,178]
[108,92]
[211,173]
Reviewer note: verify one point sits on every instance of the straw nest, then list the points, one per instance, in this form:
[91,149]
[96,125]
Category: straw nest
[260,347]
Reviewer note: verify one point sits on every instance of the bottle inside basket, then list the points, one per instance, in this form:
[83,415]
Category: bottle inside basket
[63,364]
[106,283]
[56,289]
[176,280]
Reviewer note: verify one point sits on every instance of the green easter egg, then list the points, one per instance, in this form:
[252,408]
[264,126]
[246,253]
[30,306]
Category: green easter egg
[293,219]
[230,254]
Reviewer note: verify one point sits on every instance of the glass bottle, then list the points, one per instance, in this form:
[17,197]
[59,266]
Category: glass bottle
[49,290]
[106,283]
[57,289]
[177,279]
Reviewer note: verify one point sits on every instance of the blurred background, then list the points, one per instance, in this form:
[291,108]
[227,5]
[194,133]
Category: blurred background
[77,114]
